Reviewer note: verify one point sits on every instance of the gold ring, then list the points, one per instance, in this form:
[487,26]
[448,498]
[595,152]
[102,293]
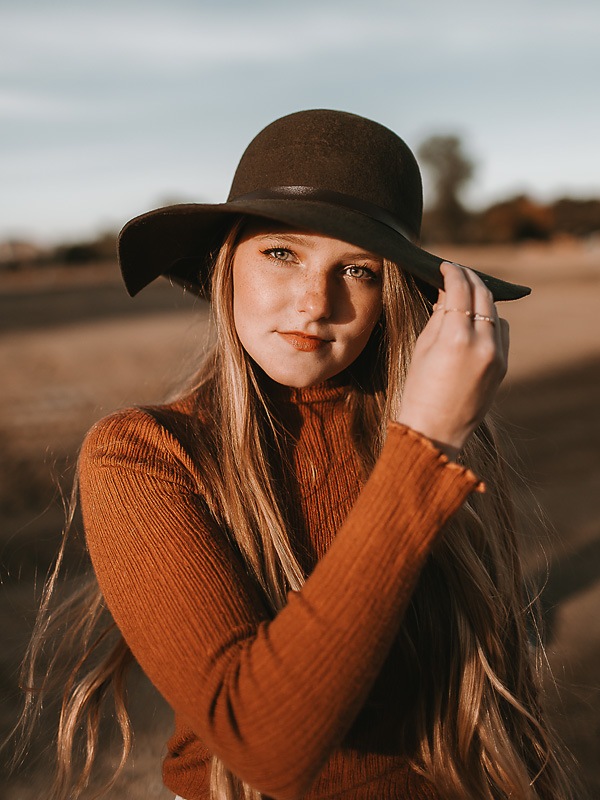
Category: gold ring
[483,318]
[460,311]
[472,315]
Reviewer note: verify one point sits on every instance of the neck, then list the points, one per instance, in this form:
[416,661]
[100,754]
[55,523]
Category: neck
[331,389]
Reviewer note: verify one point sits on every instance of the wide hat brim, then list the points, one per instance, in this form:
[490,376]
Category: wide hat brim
[180,242]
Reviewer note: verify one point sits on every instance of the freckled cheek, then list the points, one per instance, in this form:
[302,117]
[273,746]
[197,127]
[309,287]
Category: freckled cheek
[255,296]
[255,312]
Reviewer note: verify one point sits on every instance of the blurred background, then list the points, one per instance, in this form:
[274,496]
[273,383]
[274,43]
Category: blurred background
[109,109]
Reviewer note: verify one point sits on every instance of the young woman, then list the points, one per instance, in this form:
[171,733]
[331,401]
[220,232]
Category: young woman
[311,554]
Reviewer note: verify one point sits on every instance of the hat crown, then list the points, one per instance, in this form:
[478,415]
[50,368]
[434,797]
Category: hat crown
[339,152]
[330,172]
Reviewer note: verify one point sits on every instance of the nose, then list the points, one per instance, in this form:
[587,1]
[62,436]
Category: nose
[315,298]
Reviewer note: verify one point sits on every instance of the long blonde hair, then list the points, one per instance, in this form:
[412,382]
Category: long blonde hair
[476,728]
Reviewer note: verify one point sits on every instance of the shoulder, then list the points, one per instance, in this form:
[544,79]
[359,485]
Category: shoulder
[154,439]
[129,429]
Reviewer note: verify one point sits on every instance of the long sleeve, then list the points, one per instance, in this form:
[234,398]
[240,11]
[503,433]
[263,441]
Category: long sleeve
[269,696]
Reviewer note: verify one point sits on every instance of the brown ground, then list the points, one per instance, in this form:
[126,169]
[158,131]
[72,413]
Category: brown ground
[73,347]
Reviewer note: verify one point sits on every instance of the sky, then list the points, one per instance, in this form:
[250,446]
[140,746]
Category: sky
[108,109]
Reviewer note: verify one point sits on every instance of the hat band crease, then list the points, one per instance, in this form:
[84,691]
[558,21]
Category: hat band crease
[326,196]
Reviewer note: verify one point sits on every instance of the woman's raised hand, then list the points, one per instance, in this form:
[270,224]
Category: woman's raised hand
[459,361]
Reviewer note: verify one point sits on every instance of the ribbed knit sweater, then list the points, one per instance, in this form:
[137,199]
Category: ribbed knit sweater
[305,704]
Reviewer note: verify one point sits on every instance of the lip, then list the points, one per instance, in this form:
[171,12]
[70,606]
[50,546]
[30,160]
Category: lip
[303,341]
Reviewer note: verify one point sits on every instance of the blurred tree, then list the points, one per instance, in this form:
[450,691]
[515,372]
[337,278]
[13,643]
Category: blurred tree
[103,248]
[577,216]
[514,220]
[451,169]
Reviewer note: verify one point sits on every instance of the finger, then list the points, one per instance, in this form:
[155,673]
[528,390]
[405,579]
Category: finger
[458,301]
[485,318]
[483,298]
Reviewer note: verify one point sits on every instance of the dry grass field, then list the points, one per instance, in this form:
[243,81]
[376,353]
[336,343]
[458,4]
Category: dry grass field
[73,347]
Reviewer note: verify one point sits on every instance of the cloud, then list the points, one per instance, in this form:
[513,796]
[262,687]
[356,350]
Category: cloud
[18,104]
[173,37]
[178,34]
[73,41]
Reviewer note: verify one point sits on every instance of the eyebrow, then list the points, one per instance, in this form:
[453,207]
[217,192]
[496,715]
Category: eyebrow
[290,237]
[297,238]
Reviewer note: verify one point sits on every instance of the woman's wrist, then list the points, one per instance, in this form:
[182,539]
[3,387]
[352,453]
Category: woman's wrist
[448,443]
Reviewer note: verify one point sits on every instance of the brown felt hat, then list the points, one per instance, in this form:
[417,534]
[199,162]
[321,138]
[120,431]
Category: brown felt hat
[324,171]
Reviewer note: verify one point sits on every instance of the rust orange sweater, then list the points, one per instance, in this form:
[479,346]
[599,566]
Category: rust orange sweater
[306,704]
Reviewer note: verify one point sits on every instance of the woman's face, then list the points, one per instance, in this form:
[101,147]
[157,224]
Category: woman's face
[304,305]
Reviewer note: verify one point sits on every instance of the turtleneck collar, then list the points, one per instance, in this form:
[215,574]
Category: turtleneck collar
[330,391]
